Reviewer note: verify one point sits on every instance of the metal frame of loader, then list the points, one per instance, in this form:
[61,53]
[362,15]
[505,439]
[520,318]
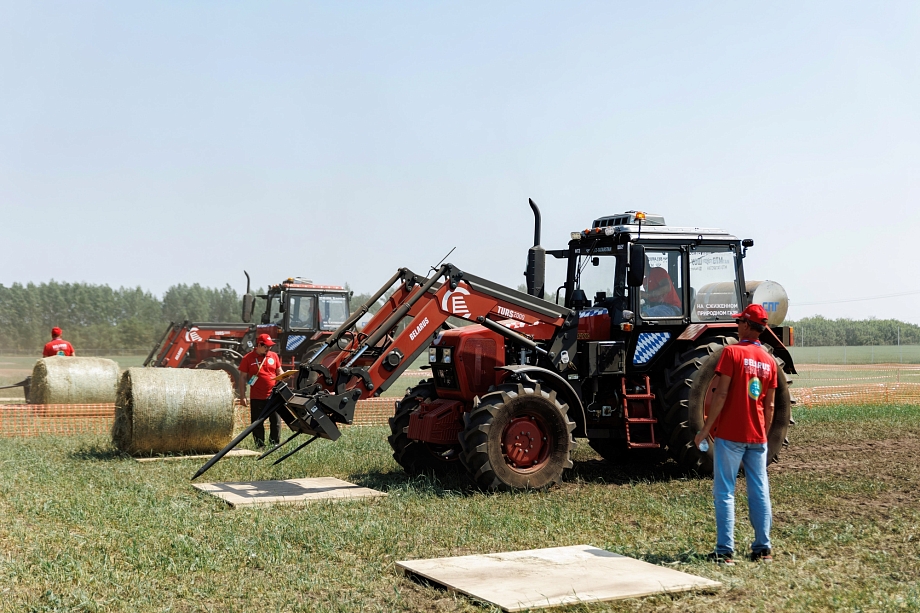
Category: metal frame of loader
[508,395]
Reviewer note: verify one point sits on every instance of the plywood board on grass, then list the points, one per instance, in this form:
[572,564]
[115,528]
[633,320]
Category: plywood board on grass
[553,577]
[233,453]
[291,491]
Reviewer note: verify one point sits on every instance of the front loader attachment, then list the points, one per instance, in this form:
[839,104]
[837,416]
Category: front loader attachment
[314,414]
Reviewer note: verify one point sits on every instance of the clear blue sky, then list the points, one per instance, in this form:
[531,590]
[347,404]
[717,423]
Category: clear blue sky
[159,143]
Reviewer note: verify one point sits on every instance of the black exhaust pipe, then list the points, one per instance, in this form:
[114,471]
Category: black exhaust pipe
[535,275]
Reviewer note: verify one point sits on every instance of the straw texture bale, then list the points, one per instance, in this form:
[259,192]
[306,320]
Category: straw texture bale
[173,410]
[74,380]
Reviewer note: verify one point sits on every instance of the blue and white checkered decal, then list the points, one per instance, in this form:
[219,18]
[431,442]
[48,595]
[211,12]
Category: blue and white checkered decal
[591,312]
[293,342]
[648,345]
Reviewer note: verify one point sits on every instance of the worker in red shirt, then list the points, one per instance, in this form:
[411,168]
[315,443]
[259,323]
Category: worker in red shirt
[261,366]
[739,418]
[57,345]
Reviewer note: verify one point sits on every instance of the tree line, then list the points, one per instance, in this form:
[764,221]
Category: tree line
[822,332]
[100,320]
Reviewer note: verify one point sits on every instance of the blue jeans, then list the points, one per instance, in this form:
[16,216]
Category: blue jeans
[729,456]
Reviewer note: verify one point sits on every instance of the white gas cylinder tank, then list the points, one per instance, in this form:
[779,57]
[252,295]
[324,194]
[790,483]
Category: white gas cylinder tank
[772,297]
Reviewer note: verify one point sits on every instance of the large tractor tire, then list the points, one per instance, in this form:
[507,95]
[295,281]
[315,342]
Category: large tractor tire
[229,367]
[414,456]
[518,436]
[690,383]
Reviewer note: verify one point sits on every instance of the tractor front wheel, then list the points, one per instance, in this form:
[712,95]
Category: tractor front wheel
[417,457]
[517,437]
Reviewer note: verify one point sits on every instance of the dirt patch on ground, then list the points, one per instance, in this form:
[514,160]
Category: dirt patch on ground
[888,464]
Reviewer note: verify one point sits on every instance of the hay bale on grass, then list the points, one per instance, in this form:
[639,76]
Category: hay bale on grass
[73,380]
[173,410]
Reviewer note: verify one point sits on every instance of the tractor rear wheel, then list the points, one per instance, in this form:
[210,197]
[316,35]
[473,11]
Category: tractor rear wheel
[518,436]
[229,367]
[417,457]
[690,384]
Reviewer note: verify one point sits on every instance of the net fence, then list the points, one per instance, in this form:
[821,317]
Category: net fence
[826,384]
[23,420]
[815,385]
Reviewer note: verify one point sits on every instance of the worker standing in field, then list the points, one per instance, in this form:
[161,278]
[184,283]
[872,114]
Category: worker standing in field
[57,345]
[739,419]
[262,365]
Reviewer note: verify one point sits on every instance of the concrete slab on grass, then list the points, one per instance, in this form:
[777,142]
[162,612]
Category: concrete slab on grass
[230,454]
[291,491]
[557,576]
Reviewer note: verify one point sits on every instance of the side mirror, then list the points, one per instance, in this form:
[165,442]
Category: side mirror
[249,302]
[636,274]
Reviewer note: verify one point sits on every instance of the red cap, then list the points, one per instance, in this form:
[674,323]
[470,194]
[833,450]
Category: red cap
[55,331]
[754,313]
[265,339]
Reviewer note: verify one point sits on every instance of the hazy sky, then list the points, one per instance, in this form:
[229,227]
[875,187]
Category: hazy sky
[159,143]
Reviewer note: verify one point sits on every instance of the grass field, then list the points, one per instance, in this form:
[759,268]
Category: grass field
[86,529]
[885,354]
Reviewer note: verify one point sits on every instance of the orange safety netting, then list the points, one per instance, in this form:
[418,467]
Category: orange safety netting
[68,419]
[826,384]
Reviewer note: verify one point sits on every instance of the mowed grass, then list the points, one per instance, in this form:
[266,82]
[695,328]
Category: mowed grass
[879,354]
[87,529]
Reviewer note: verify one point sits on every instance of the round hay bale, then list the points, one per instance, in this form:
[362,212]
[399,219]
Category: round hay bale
[73,380]
[173,410]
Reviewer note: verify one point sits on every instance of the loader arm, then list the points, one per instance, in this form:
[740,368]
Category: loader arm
[375,357]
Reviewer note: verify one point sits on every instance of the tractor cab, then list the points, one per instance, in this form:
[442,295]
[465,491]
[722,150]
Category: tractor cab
[298,314]
[634,279]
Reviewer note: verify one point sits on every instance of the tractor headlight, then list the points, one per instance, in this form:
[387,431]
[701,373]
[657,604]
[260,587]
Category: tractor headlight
[445,356]
[432,355]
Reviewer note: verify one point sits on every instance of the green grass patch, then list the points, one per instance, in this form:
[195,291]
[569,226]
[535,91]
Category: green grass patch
[860,354]
[87,529]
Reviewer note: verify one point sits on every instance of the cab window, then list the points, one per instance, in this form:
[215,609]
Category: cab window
[713,284]
[661,293]
[300,312]
[275,316]
[333,311]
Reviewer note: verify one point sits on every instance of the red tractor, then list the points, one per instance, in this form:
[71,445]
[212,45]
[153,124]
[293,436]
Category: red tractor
[630,369]
[298,315]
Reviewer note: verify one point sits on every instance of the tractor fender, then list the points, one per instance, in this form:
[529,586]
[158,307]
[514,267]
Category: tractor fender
[556,382]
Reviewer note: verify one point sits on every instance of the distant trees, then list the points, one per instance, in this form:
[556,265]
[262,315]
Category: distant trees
[98,319]
[820,331]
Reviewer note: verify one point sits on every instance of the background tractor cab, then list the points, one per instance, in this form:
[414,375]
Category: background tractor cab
[298,314]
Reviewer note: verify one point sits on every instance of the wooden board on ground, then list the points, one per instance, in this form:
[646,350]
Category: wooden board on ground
[557,576]
[237,453]
[290,492]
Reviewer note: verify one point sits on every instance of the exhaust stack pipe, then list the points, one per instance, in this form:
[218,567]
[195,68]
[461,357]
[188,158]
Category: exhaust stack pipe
[535,275]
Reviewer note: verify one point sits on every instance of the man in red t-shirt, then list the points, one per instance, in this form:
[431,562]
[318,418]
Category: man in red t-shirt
[57,345]
[740,418]
[261,366]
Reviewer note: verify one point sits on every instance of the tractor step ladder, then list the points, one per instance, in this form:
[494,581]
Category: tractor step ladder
[647,418]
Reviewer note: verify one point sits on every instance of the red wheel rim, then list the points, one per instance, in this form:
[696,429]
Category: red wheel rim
[526,443]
